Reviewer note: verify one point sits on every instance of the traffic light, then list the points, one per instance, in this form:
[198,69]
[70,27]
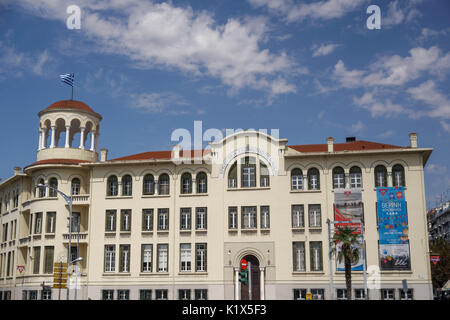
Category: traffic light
[243,276]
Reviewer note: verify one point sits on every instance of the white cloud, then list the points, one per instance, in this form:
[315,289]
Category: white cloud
[399,12]
[436,169]
[377,108]
[386,134]
[164,36]
[357,127]
[439,103]
[159,102]
[323,49]
[319,10]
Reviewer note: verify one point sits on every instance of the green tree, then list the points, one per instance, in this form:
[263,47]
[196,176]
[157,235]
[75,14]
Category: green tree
[349,252]
[440,273]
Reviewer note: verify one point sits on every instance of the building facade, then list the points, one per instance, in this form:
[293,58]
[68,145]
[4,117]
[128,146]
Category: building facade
[176,224]
[439,222]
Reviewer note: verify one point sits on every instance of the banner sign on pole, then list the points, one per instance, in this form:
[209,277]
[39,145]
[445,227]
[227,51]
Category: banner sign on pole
[393,229]
[348,206]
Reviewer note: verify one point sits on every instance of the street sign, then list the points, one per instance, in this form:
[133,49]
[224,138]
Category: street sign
[435,259]
[60,265]
[20,268]
[243,264]
[59,286]
[309,296]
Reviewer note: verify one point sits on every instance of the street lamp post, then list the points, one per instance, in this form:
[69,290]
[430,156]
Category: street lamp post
[69,202]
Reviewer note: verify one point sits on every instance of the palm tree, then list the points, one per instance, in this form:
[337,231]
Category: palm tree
[349,252]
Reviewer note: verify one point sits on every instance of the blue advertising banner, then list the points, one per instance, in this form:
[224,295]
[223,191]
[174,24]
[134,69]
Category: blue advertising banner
[393,229]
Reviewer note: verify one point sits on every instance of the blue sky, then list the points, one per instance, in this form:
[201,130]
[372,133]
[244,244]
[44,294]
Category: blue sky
[311,69]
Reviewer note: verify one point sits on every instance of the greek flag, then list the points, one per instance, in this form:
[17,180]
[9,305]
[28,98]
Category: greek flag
[68,78]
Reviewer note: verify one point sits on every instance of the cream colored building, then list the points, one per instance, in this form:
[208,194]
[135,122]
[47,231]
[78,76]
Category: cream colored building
[152,227]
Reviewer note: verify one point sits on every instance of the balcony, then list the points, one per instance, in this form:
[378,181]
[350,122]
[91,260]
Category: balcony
[24,241]
[83,237]
[80,200]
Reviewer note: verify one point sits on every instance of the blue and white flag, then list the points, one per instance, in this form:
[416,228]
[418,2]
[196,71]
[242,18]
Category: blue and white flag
[68,78]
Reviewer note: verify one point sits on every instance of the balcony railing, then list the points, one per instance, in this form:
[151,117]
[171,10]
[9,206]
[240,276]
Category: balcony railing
[81,199]
[82,237]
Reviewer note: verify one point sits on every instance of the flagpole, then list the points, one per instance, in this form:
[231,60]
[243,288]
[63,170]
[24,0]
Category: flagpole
[72,85]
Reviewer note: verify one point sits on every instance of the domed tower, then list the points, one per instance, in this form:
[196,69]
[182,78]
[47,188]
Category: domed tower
[68,129]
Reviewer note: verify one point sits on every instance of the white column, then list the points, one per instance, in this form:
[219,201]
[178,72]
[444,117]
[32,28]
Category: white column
[82,138]
[52,144]
[194,186]
[305,181]
[67,137]
[236,283]
[347,180]
[119,191]
[156,187]
[92,140]
[96,141]
[261,283]
[40,139]
[389,176]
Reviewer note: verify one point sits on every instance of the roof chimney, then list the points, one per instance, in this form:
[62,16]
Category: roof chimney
[350,139]
[103,155]
[330,141]
[413,139]
[17,170]
[176,151]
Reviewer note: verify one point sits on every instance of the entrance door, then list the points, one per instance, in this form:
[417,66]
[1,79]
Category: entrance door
[251,291]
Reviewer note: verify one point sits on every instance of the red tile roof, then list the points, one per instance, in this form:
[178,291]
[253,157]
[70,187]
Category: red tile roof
[71,104]
[308,148]
[359,145]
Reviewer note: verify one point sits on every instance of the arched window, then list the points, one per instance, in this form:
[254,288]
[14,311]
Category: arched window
[164,184]
[76,186]
[232,176]
[248,172]
[398,173]
[186,183]
[313,179]
[296,179]
[53,183]
[148,184]
[41,192]
[113,186]
[380,176]
[264,175]
[127,185]
[202,183]
[355,177]
[338,178]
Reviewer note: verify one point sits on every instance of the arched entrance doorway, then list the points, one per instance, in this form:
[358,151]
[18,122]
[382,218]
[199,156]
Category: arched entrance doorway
[252,290]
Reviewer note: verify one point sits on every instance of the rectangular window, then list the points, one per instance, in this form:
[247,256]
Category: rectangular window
[125,220]
[318,294]
[147,254]
[299,294]
[314,215]
[110,258]
[298,218]
[338,180]
[232,218]
[299,256]
[387,294]
[201,221]
[107,294]
[359,294]
[38,223]
[185,257]
[185,219]
[48,259]
[32,295]
[248,175]
[316,255]
[184,294]
[163,219]
[248,218]
[265,217]
[161,294]
[355,180]
[123,294]
[163,256]
[110,224]
[408,295]
[36,259]
[76,220]
[147,219]
[51,220]
[341,294]
[124,251]
[200,257]
[201,294]
[47,295]
[145,294]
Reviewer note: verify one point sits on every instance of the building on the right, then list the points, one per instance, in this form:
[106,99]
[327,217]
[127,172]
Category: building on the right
[439,222]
